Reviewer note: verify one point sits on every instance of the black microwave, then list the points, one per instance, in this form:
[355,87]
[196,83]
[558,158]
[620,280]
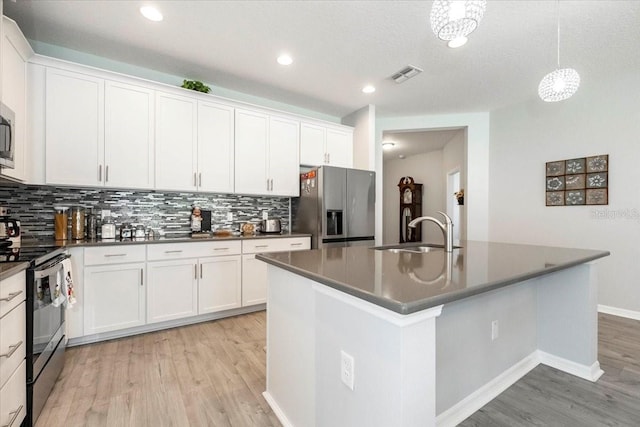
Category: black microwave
[7,136]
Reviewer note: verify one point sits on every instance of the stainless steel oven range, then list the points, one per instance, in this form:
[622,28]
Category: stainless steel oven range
[46,340]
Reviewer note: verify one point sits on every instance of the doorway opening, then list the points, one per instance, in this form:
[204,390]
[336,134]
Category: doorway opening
[453,208]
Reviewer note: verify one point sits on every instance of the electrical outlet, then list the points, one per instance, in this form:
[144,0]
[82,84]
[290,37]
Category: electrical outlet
[105,213]
[494,330]
[229,216]
[346,369]
[265,215]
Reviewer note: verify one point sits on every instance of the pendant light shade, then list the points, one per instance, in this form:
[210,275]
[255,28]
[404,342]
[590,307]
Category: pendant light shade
[561,83]
[455,19]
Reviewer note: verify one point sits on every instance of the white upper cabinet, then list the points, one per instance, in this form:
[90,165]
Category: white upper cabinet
[215,147]
[15,52]
[266,155]
[129,139]
[251,152]
[176,143]
[74,129]
[284,167]
[320,145]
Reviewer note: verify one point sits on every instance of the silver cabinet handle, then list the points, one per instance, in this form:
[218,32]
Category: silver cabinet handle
[12,349]
[200,179]
[106,173]
[201,271]
[195,179]
[328,157]
[100,173]
[261,246]
[142,277]
[195,271]
[11,296]
[177,251]
[220,249]
[271,184]
[13,417]
[296,244]
[112,255]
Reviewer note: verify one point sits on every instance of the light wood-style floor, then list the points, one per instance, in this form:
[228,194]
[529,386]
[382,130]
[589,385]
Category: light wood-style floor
[213,374]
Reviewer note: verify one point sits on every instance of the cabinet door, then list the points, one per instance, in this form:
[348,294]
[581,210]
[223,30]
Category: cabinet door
[215,147]
[173,290]
[312,152]
[74,129]
[339,148]
[254,281]
[114,297]
[128,134]
[219,287]
[176,145]
[284,165]
[14,96]
[251,152]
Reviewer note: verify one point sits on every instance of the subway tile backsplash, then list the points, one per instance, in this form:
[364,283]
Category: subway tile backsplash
[166,211]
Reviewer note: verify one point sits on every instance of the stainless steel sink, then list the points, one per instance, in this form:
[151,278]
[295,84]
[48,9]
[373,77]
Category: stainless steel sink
[416,249]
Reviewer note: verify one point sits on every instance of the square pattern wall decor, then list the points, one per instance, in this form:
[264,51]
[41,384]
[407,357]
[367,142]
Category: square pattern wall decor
[574,182]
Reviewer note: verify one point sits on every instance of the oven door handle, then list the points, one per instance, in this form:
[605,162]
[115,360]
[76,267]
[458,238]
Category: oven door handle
[52,268]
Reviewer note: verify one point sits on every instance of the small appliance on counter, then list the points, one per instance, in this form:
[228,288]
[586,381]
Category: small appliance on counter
[9,229]
[271,226]
[200,222]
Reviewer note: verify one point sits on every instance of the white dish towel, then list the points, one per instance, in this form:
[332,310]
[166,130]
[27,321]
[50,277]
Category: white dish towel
[67,286]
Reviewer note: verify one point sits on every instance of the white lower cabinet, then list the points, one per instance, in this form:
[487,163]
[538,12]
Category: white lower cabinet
[220,283]
[114,297]
[13,398]
[254,280]
[173,290]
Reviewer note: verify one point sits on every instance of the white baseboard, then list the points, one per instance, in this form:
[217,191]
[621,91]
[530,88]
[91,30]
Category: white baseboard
[476,400]
[590,373]
[276,410]
[621,312]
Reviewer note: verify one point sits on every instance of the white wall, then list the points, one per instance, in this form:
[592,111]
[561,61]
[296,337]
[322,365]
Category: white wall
[364,123]
[476,159]
[426,169]
[453,158]
[602,118]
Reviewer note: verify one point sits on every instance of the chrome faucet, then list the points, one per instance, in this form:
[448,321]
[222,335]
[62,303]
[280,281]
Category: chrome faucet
[447,228]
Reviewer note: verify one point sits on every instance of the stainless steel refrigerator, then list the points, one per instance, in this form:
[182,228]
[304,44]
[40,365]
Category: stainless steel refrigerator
[336,206]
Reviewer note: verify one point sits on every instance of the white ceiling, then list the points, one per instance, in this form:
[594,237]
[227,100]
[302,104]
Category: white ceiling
[411,143]
[339,46]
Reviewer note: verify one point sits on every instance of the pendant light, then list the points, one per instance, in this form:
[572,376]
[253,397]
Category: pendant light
[561,83]
[454,20]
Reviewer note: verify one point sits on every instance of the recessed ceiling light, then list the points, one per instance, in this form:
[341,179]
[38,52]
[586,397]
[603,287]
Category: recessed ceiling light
[387,145]
[457,42]
[285,60]
[368,89]
[401,156]
[151,13]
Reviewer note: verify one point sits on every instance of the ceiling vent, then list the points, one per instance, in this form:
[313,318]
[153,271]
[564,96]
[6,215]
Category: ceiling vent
[406,73]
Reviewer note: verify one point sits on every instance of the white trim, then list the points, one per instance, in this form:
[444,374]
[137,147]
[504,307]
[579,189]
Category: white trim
[376,310]
[590,373]
[476,400]
[621,312]
[276,410]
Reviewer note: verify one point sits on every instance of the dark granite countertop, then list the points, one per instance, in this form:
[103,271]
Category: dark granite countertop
[8,269]
[172,239]
[408,282]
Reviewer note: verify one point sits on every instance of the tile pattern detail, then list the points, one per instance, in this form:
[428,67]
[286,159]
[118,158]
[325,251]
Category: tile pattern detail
[574,182]
[166,211]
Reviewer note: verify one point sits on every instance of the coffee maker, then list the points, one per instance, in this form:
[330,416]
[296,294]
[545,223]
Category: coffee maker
[9,229]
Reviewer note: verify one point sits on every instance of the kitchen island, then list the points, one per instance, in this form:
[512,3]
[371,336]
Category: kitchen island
[428,337]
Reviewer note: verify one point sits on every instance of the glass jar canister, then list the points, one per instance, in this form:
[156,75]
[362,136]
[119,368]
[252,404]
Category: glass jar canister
[92,225]
[61,219]
[108,228]
[77,223]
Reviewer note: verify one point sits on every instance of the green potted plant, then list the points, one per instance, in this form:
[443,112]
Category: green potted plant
[195,85]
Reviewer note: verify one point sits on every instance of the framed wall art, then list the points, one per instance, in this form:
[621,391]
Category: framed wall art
[576,182]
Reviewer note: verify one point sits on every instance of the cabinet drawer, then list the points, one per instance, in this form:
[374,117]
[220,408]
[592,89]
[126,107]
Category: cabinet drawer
[13,398]
[12,292]
[275,245]
[114,254]
[163,251]
[12,342]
